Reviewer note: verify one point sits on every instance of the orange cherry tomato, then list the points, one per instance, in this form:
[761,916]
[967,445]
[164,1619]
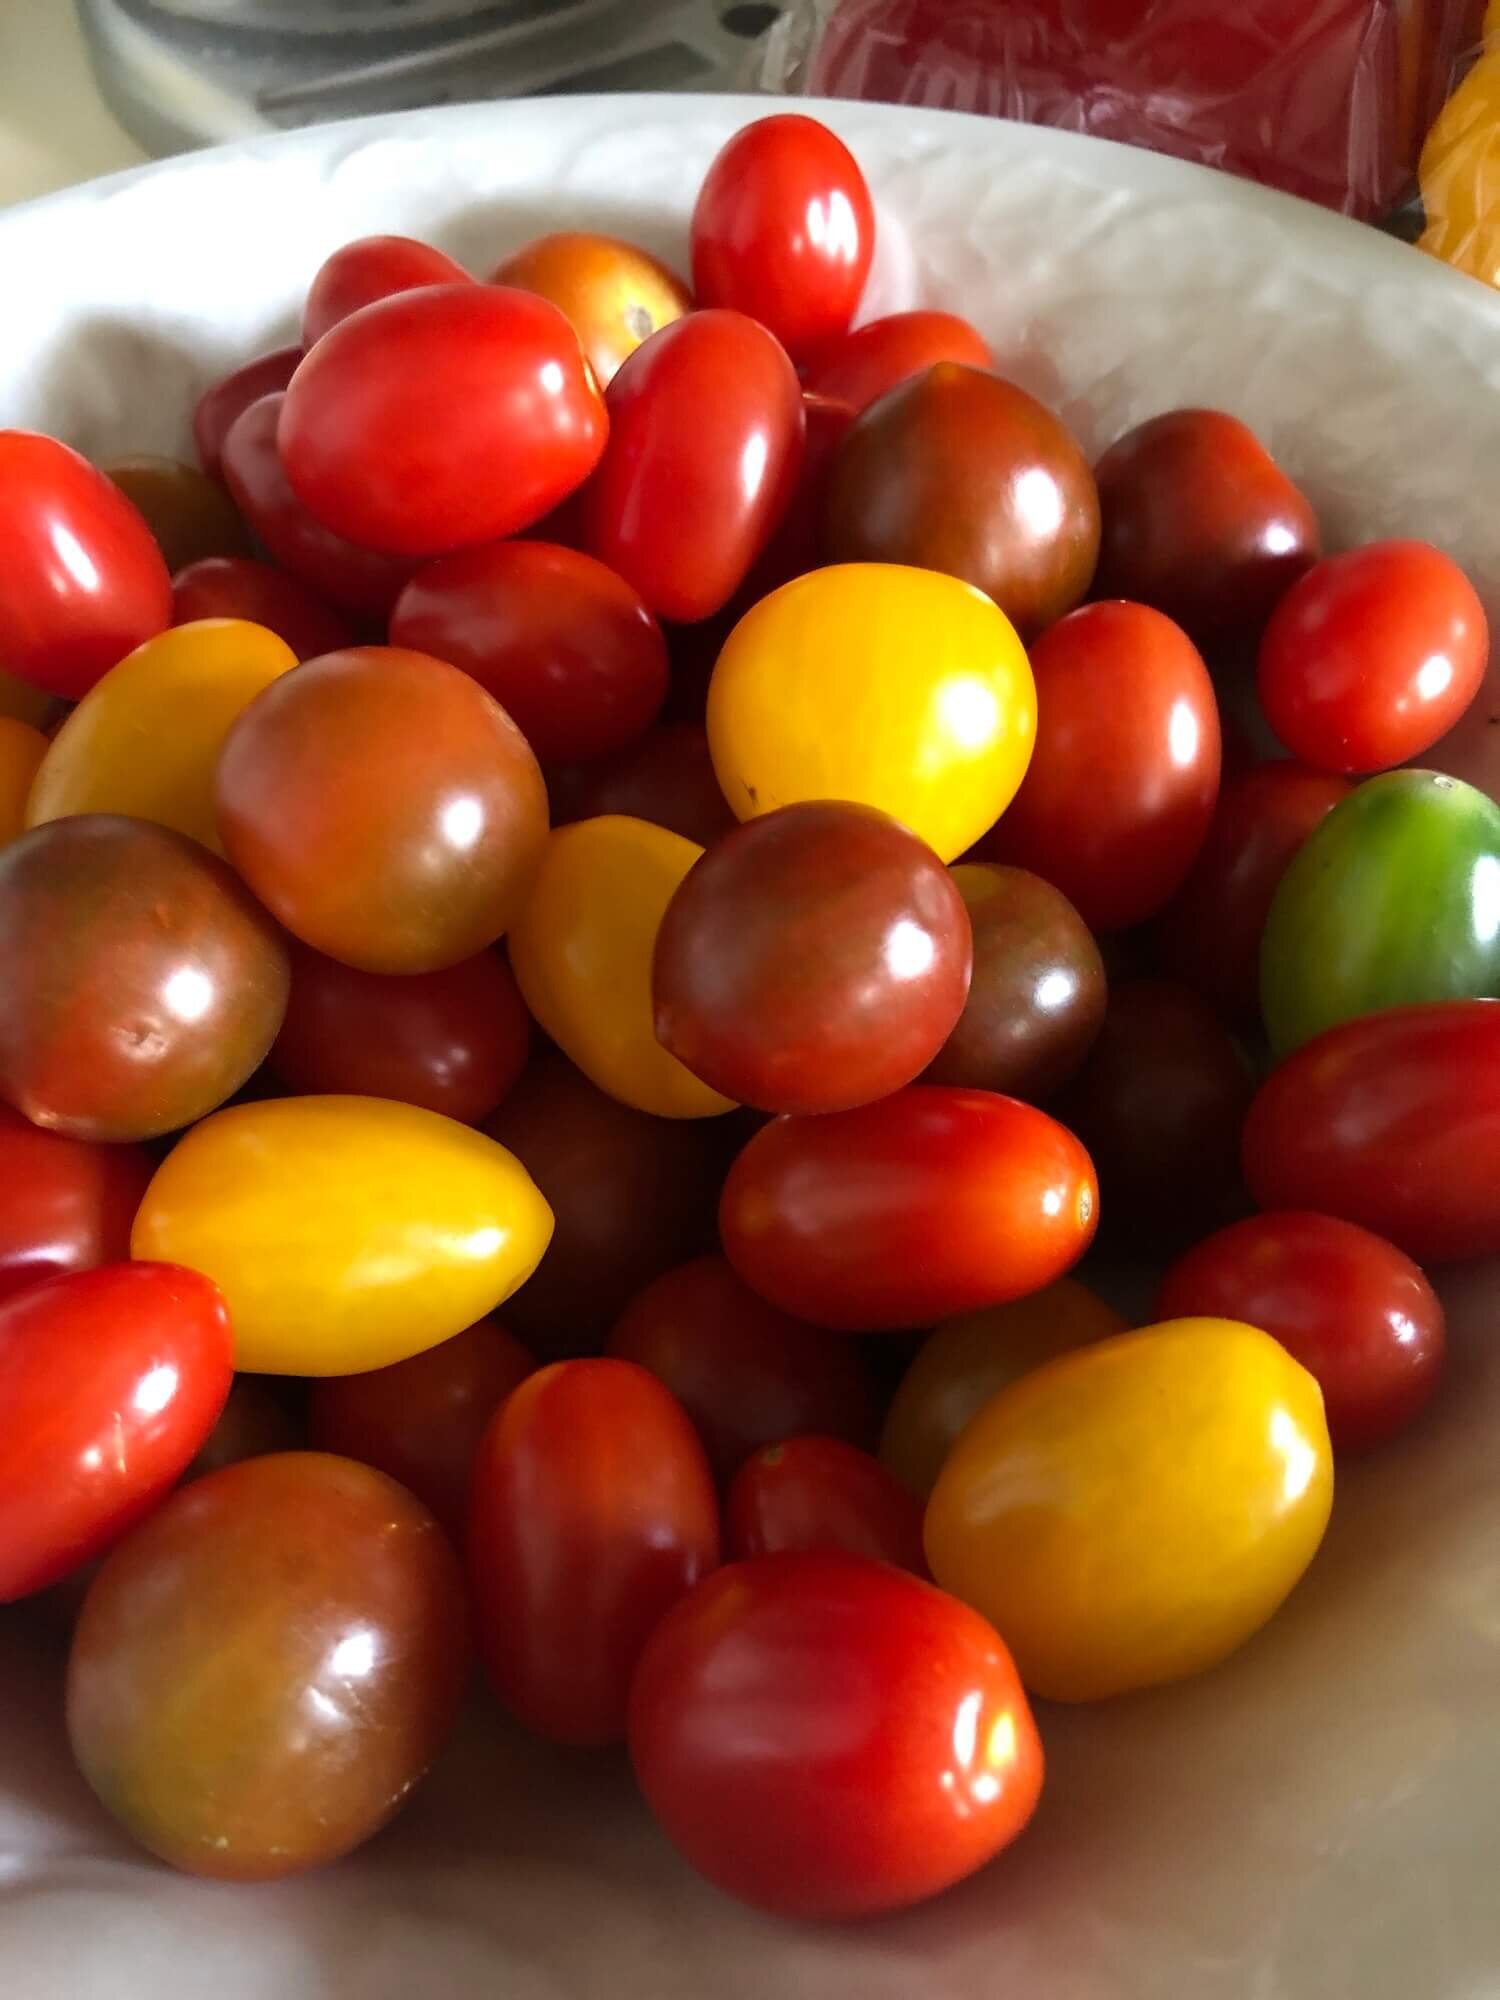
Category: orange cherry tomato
[615,293]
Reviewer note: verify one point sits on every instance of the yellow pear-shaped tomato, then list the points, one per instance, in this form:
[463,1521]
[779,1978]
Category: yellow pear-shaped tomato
[146,738]
[1131,1512]
[582,954]
[893,687]
[345,1232]
[22,749]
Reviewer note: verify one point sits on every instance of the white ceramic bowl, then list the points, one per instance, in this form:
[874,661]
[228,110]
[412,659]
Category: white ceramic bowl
[1318,1819]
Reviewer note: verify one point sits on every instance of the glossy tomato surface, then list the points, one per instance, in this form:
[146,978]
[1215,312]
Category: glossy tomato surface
[614,293]
[68,1203]
[827,1737]
[370,268]
[112,1379]
[190,516]
[667,778]
[223,401]
[263,1671]
[821,1495]
[22,749]
[241,587]
[883,353]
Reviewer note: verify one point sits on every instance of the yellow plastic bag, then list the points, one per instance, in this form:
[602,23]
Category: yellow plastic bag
[1459,170]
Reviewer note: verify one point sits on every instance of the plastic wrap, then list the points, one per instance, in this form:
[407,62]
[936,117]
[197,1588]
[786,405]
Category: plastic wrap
[1459,171]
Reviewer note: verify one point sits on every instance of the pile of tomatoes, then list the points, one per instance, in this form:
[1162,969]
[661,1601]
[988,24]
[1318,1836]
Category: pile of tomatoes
[728,838]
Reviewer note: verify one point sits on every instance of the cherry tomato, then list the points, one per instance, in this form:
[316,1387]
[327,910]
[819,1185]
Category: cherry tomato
[1133,1512]
[930,1202]
[190,516]
[706,438]
[145,740]
[1356,1313]
[666,778]
[253,1423]
[1200,522]
[1121,788]
[1209,934]
[223,401]
[22,749]
[783,229]
[421,1420]
[82,581]
[442,417]
[68,1204]
[239,587]
[143,984]
[615,294]
[796,543]
[1391,1121]
[593,1510]
[883,353]
[825,1736]
[452,1041]
[957,470]
[966,1361]
[111,1380]
[746,1374]
[421,855]
[265,1670]
[816,959]
[886,686]
[565,646]
[345,1232]
[370,268]
[632,1196]
[821,1495]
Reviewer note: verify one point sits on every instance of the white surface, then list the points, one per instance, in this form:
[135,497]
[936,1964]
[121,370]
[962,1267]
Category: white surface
[1318,1819]
[54,128]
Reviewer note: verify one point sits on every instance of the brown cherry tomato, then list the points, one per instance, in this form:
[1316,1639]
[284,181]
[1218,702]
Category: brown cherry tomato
[667,778]
[223,401]
[820,1495]
[883,353]
[370,268]
[68,1204]
[241,587]
[614,293]
[189,514]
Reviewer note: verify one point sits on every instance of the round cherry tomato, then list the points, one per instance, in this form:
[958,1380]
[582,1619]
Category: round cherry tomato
[565,646]
[370,268]
[143,985]
[958,1368]
[783,229]
[615,294]
[814,960]
[666,778]
[957,470]
[111,1380]
[886,686]
[145,740]
[1373,656]
[239,587]
[442,417]
[190,516]
[746,1374]
[1037,994]
[1133,1512]
[223,401]
[593,1510]
[22,749]
[253,1423]
[1209,934]
[632,1196]
[1394,899]
[883,353]
[421,1420]
[1121,788]
[420,855]
[930,1202]
[68,1204]
[263,1672]
[819,1494]
[1356,1313]
[452,1041]
[345,1232]
[706,438]
[82,581]
[825,1736]
[1200,522]
[1391,1121]
[582,949]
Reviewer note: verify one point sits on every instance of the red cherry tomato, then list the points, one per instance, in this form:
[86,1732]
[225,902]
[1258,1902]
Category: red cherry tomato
[452,1041]
[877,356]
[796,545]
[221,403]
[1373,656]
[821,1495]
[1356,1313]
[67,1204]
[931,1202]
[667,778]
[783,229]
[82,582]
[440,418]
[706,438]
[593,1510]
[827,1737]
[110,1380]
[370,268]
[1121,787]
[239,587]
[564,645]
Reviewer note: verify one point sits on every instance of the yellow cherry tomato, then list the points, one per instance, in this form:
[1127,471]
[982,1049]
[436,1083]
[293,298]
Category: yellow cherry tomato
[146,738]
[25,703]
[971,1358]
[893,687]
[22,749]
[582,955]
[1131,1513]
[345,1232]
